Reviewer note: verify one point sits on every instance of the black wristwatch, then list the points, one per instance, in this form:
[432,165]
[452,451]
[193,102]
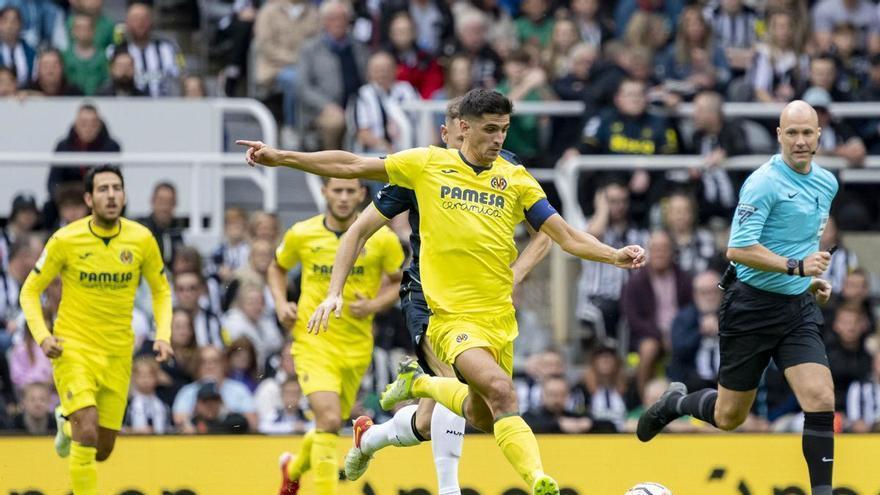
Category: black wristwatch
[794,264]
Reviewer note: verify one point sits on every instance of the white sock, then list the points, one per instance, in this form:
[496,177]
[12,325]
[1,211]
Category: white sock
[398,432]
[447,437]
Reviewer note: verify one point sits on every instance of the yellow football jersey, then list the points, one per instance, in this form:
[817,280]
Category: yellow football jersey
[100,272]
[314,245]
[467,221]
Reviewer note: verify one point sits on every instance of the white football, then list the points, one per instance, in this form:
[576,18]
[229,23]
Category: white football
[648,488]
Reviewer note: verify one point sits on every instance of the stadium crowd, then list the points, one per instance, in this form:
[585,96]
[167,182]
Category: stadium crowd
[339,75]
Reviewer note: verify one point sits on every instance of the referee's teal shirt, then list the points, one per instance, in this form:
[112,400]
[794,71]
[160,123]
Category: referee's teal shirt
[785,212]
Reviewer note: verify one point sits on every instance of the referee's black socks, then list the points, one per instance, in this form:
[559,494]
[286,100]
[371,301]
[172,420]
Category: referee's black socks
[818,446]
[700,404]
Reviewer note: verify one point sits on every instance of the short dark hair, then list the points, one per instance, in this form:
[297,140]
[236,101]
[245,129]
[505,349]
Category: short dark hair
[89,180]
[326,180]
[478,102]
[10,8]
[453,109]
[164,185]
[120,53]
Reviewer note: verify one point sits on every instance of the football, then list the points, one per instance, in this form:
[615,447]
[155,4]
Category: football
[648,488]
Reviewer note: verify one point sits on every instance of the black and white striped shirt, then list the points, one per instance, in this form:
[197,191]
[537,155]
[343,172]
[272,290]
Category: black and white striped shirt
[208,329]
[9,289]
[695,256]
[842,263]
[157,66]
[600,280]
[863,402]
[148,410]
[733,31]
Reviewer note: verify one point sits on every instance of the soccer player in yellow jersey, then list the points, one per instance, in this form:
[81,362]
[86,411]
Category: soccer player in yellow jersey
[469,202]
[330,362]
[101,259]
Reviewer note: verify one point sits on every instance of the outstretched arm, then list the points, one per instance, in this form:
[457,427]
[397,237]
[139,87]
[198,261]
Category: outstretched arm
[535,251]
[351,243]
[587,247]
[333,163]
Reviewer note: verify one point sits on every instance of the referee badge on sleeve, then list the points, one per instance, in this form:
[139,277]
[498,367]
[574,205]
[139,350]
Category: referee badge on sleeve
[744,211]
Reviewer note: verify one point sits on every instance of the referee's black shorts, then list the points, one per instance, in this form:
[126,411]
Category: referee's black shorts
[415,315]
[756,325]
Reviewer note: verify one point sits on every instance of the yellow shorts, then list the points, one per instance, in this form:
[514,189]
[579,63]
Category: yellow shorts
[321,371]
[84,379]
[450,335]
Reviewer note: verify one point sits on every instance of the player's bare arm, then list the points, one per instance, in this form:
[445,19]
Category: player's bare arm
[535,251]
[351,243]
[285,310]
[585,246]
[759,257]
[333,163]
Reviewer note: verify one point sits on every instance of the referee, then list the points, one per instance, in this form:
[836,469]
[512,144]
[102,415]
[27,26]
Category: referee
[771,310]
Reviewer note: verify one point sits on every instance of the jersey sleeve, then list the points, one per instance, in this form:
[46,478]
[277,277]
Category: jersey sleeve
[48,266]
[756,199]
[287,253]
[533,201]
[405,167]
[393,200]
[153,271]
[393,256]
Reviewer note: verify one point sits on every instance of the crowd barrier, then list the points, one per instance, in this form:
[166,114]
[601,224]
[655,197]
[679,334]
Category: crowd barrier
[711,464]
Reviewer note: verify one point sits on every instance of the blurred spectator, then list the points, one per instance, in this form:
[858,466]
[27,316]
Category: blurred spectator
[651,394]
[158,62]
[628,129]
[863,402]
[695,343]
[649,302]
[211,371]
[189,287]
[85,65]
[575,85]
[554,416]
[177,372]
[8,83]
[255,273]
[23,218]
[471,41]
[35,417]
[848,359]
[457,81]
[232,253]
[852,64]
[279,368]
[694,62]
[193,87]
[289,418]
[557,56]
[694,246]
[121,81]
[668,10]
[42,22]
[593,29]
[836,139]
[15,52]
[188,259]
[602,389]
[264,226]
[242,359]
[23,255]
[414,65]
[501,26]
[382,125]
[146,413]
[236,31]
[647,30]
[715,138]
[854,292]
[161,222]
[103,25]
[600,286]
[211,415]
[870,129]
[828,14]
[524,82]
[50,79]
[27,363]
[620,62]
[433,22]
[249,319]
[331,69]
[780,65]
[87,134]
[843,263]
[539,367]
[734,30]
[534,26]
[281,29]
[71,205]
[823,75]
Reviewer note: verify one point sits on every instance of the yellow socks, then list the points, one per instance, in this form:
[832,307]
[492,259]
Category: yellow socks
[520,447]
[83,469]
[324,462]
[303,460]
[447,391]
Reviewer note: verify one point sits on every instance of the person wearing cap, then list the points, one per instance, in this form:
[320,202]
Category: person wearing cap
[211,416]
[23,218]
[837,138]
